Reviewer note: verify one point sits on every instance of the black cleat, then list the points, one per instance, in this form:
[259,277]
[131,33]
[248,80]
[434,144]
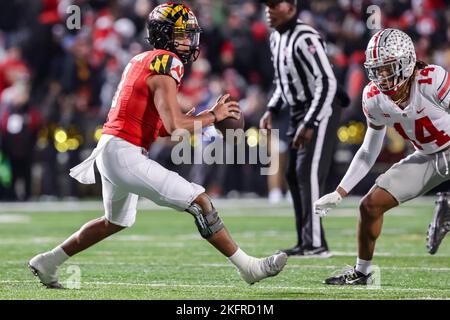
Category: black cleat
[320,252]
[299,252]
[440,225]
[350,276]
[294,251]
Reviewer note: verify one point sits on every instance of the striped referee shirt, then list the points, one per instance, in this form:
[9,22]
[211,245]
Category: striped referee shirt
[304,79]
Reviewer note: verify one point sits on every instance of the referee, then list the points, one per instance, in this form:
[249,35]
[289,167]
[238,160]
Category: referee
[304,82]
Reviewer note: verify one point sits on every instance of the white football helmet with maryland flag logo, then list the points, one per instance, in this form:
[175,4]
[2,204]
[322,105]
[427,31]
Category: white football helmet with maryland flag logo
[390,59]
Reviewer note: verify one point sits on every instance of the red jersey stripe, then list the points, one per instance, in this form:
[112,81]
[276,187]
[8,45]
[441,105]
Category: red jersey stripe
[445,88]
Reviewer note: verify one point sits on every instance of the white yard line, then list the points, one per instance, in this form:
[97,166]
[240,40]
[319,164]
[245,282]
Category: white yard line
[227,265]
[223,204]
[266,212]
[14,218]
[264,287]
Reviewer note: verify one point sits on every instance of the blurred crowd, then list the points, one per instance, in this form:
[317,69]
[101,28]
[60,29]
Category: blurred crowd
[58,75]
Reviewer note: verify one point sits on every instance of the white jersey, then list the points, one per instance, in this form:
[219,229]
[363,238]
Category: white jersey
[425,121]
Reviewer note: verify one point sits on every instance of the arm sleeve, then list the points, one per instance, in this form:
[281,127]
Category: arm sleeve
[325,83]
[364,159]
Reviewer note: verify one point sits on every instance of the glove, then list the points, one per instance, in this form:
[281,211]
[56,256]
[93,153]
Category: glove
[327,202]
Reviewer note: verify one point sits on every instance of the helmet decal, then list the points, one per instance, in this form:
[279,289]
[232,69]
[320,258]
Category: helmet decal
[172,26]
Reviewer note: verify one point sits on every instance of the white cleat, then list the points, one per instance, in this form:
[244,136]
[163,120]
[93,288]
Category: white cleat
[44,271]
[259,269]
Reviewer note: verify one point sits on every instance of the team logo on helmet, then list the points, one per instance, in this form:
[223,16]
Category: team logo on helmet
[174,27]
[390,59]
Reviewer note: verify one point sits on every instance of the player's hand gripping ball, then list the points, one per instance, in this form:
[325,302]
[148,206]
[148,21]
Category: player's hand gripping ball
[229,122]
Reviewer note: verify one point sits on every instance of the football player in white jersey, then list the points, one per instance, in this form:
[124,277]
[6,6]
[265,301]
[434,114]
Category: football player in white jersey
[414,98]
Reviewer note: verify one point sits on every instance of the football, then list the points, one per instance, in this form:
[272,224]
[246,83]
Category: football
[230,123]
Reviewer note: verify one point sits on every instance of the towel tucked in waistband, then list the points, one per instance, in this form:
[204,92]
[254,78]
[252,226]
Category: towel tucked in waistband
[84,172]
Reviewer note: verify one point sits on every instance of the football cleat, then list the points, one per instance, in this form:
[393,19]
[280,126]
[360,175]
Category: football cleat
[299,252]
[350,276]
[259,269]
[440,224]
[294,251]
[320,252]
[45,272]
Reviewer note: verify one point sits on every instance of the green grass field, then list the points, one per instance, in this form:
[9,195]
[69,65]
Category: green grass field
[163,257]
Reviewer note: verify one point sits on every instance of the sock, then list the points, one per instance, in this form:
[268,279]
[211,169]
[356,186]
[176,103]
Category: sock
[363,266]
[240,259]
[58,256]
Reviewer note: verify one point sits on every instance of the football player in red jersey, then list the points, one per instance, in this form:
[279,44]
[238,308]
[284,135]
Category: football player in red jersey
[145,107]
[414,99]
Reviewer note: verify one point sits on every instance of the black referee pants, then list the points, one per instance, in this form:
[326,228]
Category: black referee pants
[306,174]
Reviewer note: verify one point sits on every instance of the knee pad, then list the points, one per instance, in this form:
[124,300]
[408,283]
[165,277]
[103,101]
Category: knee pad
[207,224]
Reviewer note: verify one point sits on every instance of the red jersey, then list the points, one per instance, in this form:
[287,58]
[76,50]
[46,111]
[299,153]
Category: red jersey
[133,115]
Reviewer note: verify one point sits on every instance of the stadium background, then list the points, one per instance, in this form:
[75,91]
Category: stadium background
[56,84]
[56,87]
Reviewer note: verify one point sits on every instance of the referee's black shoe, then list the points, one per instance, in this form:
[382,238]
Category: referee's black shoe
[300,252]
[294,251]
